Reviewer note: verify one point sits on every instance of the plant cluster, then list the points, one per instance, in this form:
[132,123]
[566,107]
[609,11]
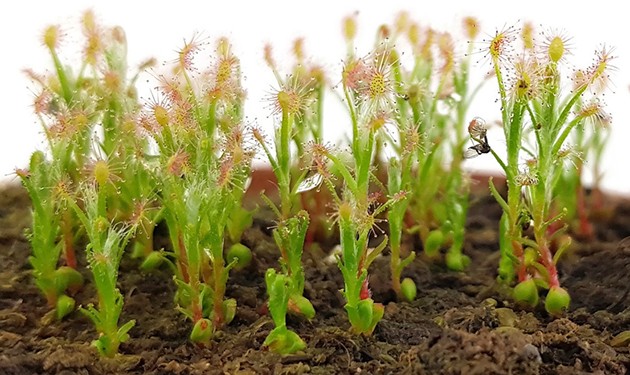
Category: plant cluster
[94,179]
[538,115]
[431,102]
[204,157]
[116,166]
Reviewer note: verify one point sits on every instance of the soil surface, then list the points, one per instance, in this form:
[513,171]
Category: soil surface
[460,323]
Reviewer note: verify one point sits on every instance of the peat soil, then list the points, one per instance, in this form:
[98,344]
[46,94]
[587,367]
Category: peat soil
[460,323]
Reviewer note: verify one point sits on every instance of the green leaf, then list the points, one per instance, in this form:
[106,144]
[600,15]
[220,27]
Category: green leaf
[229,310]
[105,346]
[94,315]
[508,260]
[498,197]
[433,243]
[378,311]
[526,292]
[239,220]
[277,289]
[184,294]
[408,289]
[283,341]
[241,254]
[541,284]
[152,261]
[65,305]
[123,334]
[375,252]
[68,278]
[456,261]
[407,261]
[620,340]
[303,306]
[365,315]
[562,249]
[202,331]
[557,301]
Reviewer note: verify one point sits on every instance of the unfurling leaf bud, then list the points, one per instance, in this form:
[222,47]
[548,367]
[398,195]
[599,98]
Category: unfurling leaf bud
[229,310]
[241,253]
[303,306]
[408,289]
[152,261]
[65,305]
[433,242]
[526,292]
[202,331]
[365,310]
[283,341]
[557,301]
[67,278]
[457,261]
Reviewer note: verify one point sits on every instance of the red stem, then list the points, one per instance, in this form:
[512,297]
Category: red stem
[365,287]
[518,252]
[546,259]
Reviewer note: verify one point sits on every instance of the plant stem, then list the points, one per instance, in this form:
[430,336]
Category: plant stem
[68,239]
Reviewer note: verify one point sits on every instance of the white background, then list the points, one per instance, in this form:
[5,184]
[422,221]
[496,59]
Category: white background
[156,30]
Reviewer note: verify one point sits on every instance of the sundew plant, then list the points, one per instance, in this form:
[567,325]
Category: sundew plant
[203,162]
[297,104]
[539,112]
[72,104]
[121,171]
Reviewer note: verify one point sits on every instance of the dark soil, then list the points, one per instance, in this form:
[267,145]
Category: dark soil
[461,323]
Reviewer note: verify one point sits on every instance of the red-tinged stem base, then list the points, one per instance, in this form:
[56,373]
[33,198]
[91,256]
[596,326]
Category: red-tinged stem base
[546,258]
[522,268]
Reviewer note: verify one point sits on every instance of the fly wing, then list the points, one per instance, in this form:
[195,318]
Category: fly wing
[310,183]
[471,152]
[476,150]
